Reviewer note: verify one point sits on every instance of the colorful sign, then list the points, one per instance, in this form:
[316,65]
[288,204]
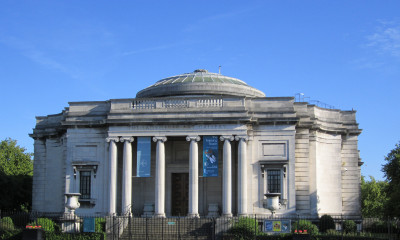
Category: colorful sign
[277,226]
[143,156]
[210,156]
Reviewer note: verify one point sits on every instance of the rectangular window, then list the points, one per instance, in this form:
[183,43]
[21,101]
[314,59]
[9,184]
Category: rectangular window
[84,184]
[274,181]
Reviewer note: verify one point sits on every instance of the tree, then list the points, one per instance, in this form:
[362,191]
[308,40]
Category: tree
[373,197]
[16,170]
[392,174]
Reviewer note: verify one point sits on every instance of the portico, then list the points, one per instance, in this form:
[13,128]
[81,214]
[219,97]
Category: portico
[190,164]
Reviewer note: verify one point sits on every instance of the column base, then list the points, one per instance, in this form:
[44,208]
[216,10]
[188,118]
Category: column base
[243,215]
[193,215]
[226,215]
[159,215]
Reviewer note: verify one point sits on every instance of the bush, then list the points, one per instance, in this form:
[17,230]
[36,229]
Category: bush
[245,228]
[46,224]
[100,225]
[74,236]
[11,234]
[311,228]
[6,223]
[325,223]
[349,226]
[332,232]
[282,236]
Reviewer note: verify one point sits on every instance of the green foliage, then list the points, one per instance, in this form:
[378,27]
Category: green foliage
[14,160]
[11,234]
[80,236]
[282,236]
[6,223]
[349,226]
[325,223]
[332,232]
[311,228]
[380,226]
[373,197]
[100,225]
[392,173]
[245,229]
[16,169]
[46,224]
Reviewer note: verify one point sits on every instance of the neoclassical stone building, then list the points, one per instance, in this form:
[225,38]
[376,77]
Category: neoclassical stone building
[198,144]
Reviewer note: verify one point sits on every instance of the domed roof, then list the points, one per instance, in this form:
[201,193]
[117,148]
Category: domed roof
[200,82]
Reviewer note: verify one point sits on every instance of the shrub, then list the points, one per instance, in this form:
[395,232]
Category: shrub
[349,226]
[325,223]
[245,228]
[46,224]
[6,223]
[311,228]
[332,232]
[11,234]
[81,236]
[100,225]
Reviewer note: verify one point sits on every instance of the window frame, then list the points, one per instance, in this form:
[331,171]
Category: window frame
[86,166]
[282,167]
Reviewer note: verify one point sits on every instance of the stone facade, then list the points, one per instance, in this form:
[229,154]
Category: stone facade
[310,152]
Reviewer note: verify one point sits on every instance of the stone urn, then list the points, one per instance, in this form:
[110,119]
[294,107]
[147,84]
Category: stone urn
[72,202]
[273,202]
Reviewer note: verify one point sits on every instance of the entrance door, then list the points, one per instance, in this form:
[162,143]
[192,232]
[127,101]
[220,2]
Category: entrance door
[180,194]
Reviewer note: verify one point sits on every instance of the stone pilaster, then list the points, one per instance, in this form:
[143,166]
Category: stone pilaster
[227,177]
[160,177]
[193,176]
[39,175]
[127,175]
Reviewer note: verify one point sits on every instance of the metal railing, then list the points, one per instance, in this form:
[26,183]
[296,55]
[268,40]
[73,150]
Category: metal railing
[253,227]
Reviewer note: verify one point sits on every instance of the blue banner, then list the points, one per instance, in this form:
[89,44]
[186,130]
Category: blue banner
[210,156]
[143,156]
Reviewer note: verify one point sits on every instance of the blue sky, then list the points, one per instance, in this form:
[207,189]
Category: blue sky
[343,53]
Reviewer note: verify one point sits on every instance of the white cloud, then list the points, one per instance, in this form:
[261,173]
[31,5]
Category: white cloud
[386,39]
[30,51]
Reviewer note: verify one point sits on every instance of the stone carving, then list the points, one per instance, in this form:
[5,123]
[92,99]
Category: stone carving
[162,139]
[193,138]
[223,138]
[115,139]
[242,138]
[128,139]
[273,202]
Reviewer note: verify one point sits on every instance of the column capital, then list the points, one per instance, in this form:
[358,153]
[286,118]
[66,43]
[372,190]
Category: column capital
[193,138]
[243,137]
[127,139]
[162,139]
[226,137]
[115,139]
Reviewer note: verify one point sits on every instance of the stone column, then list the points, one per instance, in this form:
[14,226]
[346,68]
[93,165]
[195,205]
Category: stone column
[113,174]
[160,177]
[227,177]
[193,176]
[242,178]
[127,175]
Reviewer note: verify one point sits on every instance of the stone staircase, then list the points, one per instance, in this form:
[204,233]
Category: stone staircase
[166,229]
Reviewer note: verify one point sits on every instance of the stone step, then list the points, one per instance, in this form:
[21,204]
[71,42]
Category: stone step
[172,228]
